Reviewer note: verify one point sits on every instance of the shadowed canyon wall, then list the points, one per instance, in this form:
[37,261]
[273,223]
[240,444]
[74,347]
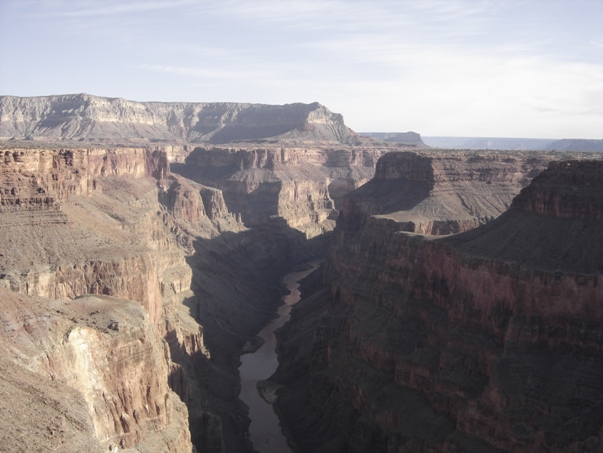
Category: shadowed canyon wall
[302,185]
[488,340]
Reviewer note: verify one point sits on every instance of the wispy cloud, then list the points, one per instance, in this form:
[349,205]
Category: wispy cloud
[434,66]
[203,72]
[86,8]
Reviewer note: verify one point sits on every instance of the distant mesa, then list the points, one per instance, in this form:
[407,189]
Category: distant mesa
[82,117]
[574,144]
[405,138]
[495,143]
[514,144]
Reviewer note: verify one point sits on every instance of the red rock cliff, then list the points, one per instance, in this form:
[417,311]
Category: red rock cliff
[109,225]
[481,341]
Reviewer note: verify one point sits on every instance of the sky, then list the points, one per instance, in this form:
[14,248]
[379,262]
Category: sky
[484,68]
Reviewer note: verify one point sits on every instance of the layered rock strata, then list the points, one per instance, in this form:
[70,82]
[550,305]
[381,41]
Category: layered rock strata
[303,186]
[488,340]
[83,117]
[105,373]
[119,223]
[438,193]
[113,222]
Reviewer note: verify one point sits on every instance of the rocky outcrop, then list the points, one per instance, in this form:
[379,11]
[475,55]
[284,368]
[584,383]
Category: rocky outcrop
[112,229]
[439,193]
[406,138]
[488,340]
[104,356]
[300,185]
[83,117]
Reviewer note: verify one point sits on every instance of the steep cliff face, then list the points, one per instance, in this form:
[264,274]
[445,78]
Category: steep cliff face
[487,340]
[105,357]
[120,224]
[97,119]
[300,185]
[112,227]
[439,193]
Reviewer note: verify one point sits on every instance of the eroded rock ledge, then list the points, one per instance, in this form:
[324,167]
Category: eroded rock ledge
[489,340]
[102,375]
[304,186]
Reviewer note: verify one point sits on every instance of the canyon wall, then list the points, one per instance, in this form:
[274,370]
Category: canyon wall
[83,117]
[437,193]
[193,259]
[116,222]
[304,186]
[104,357]
[113,222]
[488,340]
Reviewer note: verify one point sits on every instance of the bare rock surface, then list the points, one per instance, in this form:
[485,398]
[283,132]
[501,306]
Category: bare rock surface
[111,230]
[116,222]
[304,186]
[112,382]
[442,192]
[97,119]
[477,342]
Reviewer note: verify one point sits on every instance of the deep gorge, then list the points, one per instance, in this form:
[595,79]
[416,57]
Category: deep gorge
[456,310]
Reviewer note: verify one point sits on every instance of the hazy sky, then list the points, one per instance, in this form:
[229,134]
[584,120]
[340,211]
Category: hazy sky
[501,68]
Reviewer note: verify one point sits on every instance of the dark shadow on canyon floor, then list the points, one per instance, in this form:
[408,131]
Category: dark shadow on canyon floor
[236,286]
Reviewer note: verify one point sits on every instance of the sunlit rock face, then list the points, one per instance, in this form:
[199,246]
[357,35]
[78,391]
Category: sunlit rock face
[488,340]
[104,358]
[110,222]
[83,117]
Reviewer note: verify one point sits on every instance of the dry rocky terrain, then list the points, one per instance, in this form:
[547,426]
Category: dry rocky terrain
[488,340]
[136,269]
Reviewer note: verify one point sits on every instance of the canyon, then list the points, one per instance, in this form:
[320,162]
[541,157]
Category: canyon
[487,340]
[144,245]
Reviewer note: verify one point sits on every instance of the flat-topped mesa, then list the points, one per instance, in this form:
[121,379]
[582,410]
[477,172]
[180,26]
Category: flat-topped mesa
[98,119]
[439,193]
[570,189]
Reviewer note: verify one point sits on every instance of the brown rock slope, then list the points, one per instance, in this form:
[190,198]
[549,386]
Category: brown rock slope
[116,222]
[82,117]
[103,221]
[489,340]
[439,193]
[88,374]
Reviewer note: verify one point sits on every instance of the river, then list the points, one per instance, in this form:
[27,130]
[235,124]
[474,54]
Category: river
[265,432]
